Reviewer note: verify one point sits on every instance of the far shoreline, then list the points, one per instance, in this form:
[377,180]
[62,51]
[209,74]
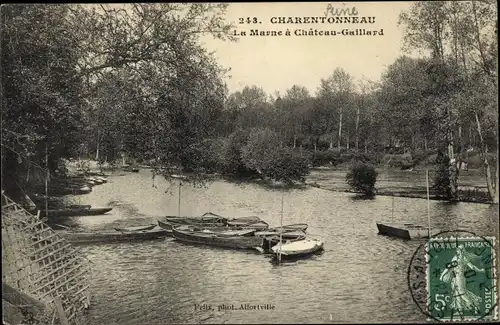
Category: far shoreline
[411,192]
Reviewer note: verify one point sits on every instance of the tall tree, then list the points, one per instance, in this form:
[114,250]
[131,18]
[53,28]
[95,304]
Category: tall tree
[41,116]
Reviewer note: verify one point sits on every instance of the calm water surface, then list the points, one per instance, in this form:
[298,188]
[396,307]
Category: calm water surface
[360,277]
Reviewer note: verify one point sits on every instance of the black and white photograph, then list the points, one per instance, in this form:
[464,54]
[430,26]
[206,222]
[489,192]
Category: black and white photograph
[249,162]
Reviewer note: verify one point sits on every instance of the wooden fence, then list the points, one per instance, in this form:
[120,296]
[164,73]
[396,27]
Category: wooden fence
[38,262]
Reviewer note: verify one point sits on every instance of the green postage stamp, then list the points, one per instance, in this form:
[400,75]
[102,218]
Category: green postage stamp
[461,279]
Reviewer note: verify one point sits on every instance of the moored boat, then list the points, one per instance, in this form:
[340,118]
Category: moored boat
[406,230]
[190,235]
[297,234]
[206,219]
[248,222]
[73,212]
[292,227]
[137,228]
[112,236]
[298,248]
[165,225]
[409,231]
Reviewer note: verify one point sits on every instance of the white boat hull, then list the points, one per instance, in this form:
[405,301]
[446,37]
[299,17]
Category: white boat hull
[298,248]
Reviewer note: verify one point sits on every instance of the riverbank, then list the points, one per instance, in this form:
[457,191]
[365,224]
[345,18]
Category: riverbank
[390,182]
[403,183]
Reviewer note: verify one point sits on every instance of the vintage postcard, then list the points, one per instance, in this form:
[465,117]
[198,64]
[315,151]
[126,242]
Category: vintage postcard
[300,162]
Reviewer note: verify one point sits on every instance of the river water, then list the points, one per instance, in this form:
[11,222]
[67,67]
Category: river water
[360,276]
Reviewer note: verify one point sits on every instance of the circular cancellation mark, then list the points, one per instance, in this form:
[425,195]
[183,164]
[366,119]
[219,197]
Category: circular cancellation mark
[452,277]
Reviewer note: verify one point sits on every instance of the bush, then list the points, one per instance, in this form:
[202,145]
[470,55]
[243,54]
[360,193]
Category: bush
[285,165]
[208,156]
[362,178]
[398,161]
[442,185]
[232,156]
[265,154]
[321,158]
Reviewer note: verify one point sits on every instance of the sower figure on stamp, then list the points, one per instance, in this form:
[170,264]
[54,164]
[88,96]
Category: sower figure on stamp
[462,299]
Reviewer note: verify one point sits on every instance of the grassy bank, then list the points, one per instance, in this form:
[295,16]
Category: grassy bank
[403,183]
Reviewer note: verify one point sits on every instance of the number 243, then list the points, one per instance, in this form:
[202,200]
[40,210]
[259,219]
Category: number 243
[248,20]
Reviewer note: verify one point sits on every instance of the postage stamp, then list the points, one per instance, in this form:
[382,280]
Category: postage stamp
[461,279]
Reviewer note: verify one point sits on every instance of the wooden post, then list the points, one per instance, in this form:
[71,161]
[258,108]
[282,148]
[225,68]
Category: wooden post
[60,311]
[392,213]
[428,204]
[281,230]
[179,202]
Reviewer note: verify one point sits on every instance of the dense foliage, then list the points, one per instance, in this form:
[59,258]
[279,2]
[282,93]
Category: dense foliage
[442,178]
[100,81]
[362,178]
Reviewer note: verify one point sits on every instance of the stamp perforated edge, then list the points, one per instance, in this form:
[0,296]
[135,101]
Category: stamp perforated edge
[494,315]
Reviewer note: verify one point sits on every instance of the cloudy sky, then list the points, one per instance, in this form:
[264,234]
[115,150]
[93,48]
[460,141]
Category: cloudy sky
[278,62]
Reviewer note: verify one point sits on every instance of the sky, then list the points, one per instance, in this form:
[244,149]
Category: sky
[276,63]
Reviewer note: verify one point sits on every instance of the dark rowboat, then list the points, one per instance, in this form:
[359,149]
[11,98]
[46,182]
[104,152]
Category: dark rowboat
[206,219]
[172,222]
[74,212]
[243,221]
[222,231]
[113,236]
[79,206]
[189,235]
[295,226]
[406,230]
[165,225]
[218,229]
[138,228]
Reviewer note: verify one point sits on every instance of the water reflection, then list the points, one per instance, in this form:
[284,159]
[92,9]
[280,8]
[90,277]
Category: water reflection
[360,276]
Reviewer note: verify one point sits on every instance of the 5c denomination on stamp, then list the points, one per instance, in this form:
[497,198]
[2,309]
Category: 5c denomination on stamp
[457,281]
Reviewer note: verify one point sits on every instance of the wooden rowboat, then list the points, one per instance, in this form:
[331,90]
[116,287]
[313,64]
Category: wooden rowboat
[292,227]
[72,212]
[206,219]
[285,235]
[112,236]
[406,230]
[138,228]
[189,235]
[298,248]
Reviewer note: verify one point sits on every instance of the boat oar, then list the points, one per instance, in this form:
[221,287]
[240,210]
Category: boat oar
[64,227]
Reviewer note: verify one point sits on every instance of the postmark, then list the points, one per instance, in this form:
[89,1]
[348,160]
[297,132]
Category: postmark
[452,277]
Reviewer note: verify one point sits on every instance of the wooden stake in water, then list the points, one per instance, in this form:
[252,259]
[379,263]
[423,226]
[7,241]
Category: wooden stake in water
[392,211]
[179,202]
[428,204]
[281,230]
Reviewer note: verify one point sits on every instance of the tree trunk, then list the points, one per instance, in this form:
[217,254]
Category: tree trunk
[477,34]
[315,147]
[294,140]
[347,138]
[470,137]
[357,128]
[331,141]
[425,144]
[340,129]
[484,156]
[495,199]
[366,147]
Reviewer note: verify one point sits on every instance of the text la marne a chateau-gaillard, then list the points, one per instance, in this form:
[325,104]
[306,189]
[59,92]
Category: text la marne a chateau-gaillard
[311,32]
